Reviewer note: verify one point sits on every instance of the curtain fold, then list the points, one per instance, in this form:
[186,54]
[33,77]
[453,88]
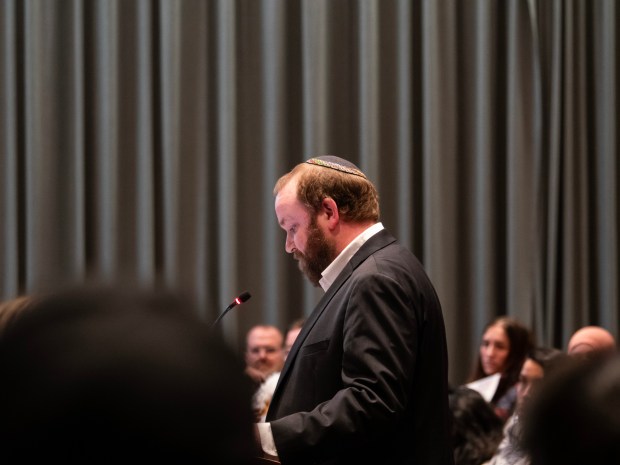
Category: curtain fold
[606,70]
[141,141]
[579,198]
[11,227]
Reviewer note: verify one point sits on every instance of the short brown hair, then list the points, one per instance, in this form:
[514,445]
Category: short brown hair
[356,197]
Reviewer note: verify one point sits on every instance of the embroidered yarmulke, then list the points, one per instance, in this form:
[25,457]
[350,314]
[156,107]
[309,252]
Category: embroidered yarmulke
[336,163]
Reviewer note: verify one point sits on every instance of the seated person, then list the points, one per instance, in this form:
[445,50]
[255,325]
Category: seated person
[264,354]
[108,376]
[264,393]
[539,363]
[591,341]
[291,335]
[264,358]
[503,348]
[476,430]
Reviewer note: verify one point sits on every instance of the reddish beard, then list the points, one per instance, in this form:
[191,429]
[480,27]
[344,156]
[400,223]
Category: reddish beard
[320,252]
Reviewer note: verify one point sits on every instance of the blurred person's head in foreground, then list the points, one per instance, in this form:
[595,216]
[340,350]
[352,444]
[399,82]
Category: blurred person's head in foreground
[11,309]
[476,429]
[108,376]
[574,419]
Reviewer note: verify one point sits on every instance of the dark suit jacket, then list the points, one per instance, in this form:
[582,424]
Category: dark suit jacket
[366,379]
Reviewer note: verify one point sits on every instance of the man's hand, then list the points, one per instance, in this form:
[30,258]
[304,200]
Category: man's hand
[257,376]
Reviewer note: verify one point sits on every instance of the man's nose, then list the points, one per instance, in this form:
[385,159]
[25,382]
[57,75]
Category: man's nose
[288,245]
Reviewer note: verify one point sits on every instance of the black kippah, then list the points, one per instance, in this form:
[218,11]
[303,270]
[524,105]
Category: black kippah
[336,163]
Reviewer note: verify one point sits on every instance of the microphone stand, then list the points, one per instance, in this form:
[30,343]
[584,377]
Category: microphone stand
[244,297]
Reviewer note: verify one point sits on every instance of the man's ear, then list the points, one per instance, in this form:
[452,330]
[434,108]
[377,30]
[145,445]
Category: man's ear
[330,209]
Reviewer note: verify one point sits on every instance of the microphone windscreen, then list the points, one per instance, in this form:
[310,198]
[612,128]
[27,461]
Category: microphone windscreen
[244,297]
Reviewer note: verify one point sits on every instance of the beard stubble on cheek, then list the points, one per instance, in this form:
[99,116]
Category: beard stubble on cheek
[319,254]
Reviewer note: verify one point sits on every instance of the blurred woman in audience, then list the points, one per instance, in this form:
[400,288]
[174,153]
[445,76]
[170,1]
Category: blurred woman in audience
[503,348]
[540,362]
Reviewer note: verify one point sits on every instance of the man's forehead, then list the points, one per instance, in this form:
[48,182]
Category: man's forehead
[290,210]
[287,194]
[262,334]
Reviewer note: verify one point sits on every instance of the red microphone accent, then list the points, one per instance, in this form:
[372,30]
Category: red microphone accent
[238,300]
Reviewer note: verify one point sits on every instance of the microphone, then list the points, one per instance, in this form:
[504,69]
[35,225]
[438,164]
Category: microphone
[243,297]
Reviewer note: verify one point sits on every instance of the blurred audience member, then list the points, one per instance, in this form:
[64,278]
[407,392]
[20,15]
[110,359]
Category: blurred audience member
[503,348]
[262,397]
[291,335]
[264,393]
[476,430]
[591,341]
[264,353]
[264,357]
[539,363]
[575,417]
[108,376]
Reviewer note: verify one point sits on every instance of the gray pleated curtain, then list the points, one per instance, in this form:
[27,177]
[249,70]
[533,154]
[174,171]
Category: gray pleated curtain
[140,141]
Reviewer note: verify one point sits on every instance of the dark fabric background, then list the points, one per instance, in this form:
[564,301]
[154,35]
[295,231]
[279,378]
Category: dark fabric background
[140,140]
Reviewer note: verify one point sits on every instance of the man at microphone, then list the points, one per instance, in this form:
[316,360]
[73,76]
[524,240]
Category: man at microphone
[366,379]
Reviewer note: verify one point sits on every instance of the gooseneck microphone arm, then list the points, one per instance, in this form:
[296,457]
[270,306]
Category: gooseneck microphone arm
[243,297]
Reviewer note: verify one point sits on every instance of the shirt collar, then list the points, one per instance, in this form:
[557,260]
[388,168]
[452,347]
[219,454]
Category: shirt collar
[330,273]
